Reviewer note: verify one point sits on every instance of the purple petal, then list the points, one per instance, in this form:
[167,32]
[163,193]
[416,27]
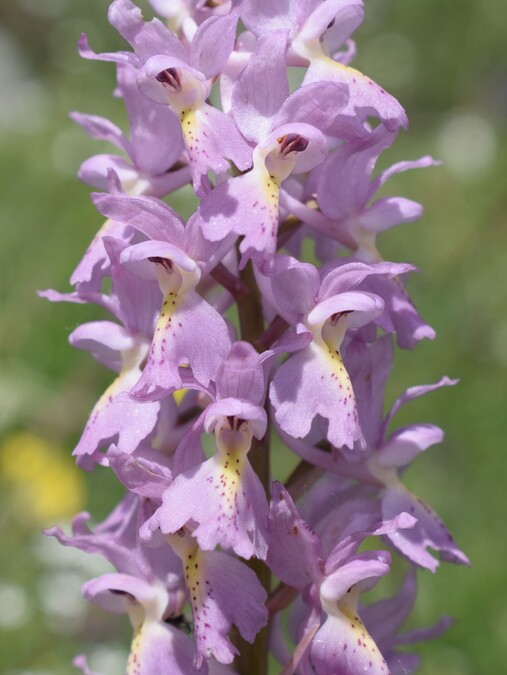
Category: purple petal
[155,132]
[245,205]
[331,461]
[159,648]
[114,539]
[360,309]
[344,181]
[294,549]
[339,17]
[423,634]
[388,212]
[385,617]
[95,261]
[344,18]
[166,183]
[371,520]
[213,43]
[317,104]
[369,367]
[263,16]
[343,521]
[262,87]
[295,287]
[138,301]
[429,531]
[241,375]
[414,392]
[138,259]
[345,277]
[204,252]
[146,39]
[400,167]
[222,591]
[292,341]
[212,138]
[301,650]
[231,509]
[189,452]
[150,216]
[234,594]
[105,340]
[342,646]
[94,171]
[180,341]
[366,98]
[102,129]
[116,416]
[113,591]
[405,444]
[315,382]
[401,315]
[146,472]
[80,297]
[360,568]
[85,51]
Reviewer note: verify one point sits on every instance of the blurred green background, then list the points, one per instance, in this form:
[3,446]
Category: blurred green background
[447,63]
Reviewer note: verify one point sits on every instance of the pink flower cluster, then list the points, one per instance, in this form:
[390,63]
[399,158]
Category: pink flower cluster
[200,534]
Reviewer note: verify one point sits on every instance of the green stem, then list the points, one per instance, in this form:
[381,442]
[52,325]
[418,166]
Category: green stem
[253,658]
[302,479]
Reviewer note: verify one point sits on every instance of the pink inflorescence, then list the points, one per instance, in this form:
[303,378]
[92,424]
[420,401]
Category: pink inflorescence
[199,537]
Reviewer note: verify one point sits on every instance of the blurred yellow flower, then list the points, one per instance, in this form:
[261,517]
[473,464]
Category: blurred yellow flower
[45,483]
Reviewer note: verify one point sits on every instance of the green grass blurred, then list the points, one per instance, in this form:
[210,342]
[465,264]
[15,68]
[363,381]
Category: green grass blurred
[447,63]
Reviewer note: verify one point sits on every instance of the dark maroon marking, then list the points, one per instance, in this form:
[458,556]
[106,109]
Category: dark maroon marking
[165,262]
[234,422]
[334,318]
[171,77]
[292,143]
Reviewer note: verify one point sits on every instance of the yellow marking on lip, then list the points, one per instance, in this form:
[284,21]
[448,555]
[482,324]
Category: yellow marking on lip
[334,363]
[192,130]
[232,463]
[270,186]
[191,556]
[345,69]
[127,377]
[344,611]
[193,577]
[266,197]
[116,386]
[188,120]
[164,326]
[314,53]
[170,305]
[272,192]
[229,470]
[134,664]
